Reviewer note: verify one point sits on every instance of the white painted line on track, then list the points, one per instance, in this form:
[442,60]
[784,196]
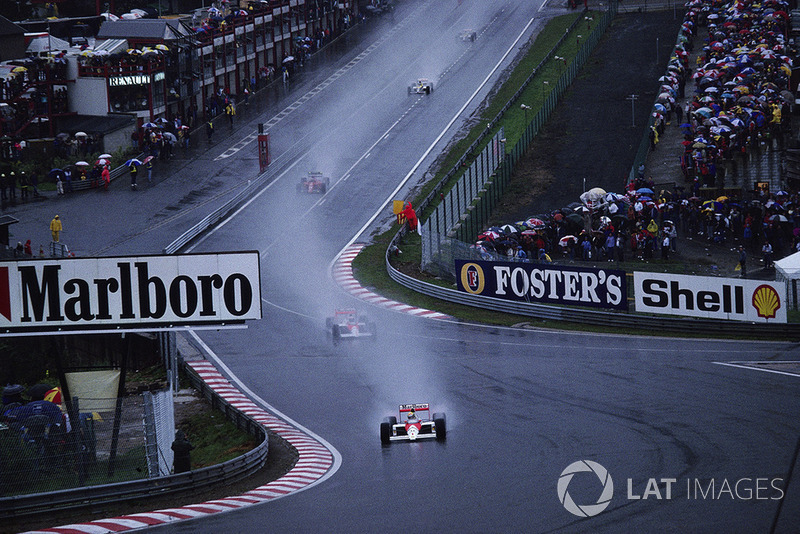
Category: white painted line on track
[751,368]
[405,180]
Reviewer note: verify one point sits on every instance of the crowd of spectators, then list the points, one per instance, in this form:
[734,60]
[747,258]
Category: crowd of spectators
[739,107]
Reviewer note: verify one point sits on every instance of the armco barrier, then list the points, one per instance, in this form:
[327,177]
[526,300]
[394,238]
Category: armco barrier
[624,321]
[93,496]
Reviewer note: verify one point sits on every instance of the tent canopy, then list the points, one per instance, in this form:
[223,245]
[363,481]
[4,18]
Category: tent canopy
[788,268]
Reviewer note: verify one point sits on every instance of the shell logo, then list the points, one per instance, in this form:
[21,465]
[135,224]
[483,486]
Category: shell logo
[766,301]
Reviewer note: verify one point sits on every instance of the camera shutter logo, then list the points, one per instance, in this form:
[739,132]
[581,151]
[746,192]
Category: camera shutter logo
[585,510]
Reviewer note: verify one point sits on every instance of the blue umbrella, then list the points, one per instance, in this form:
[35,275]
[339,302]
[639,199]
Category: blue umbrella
[133,161]
[645,191]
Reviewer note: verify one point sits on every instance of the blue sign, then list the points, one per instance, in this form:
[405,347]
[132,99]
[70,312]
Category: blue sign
[544,283]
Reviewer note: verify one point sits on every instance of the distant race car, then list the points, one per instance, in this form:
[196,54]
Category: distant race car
[468,35]
[315,182]
[348,324]
[421,86]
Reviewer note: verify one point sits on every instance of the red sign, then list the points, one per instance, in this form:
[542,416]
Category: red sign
[263,151]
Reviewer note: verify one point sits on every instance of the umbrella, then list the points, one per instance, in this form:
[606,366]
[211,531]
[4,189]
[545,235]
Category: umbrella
[575,218]
[645,191]
[169,136]
[565,241]
[133,161]
[536,224]
[161,120]
[782,193]
[53,395]
[104,156]
[529,232]
[81,134]
[81,163]
[162,47]
[148,158]
[508,229]
[19,69]
[101,161]
[149,125]
[778,218]
[288,59]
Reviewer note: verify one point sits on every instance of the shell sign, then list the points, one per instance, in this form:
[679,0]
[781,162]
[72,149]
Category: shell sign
[710,297]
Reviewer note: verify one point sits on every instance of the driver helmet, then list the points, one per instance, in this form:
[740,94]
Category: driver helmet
[411,415]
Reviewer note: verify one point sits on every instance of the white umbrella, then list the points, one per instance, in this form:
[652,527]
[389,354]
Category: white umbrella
[81,163]
[104,156]
[81,134]
[288,59]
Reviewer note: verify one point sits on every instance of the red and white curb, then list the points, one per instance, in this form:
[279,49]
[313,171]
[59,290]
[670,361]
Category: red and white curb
[315,460]
[343,275]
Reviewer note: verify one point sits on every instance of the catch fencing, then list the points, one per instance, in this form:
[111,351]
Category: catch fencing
[105,443]
[460,216]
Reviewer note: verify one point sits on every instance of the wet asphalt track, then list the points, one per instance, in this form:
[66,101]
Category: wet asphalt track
[521,405]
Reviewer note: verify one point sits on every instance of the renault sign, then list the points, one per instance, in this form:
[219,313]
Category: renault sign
[134,292]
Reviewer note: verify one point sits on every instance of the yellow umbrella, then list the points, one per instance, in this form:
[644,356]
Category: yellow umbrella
[722,198]
[162,47]
[19,69]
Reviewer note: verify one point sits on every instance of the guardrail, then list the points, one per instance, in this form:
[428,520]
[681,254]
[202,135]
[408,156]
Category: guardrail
[221,212]
[95,496]
[713,328]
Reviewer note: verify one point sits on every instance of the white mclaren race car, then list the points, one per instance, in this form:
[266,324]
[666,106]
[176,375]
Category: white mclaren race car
[348,324]
[468,35]
[422,86]
[415,422]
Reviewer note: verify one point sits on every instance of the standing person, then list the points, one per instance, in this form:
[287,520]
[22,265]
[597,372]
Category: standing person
[23,185]
[134,171]
[766,250]
[230,111]
[181,447]
[210,129]
[106,177]
[149,167]
[742,261]
[56,228]
[12,186]
[67,180]
[27,248]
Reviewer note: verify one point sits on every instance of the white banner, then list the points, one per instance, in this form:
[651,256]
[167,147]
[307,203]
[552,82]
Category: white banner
[710,297]
[127,292]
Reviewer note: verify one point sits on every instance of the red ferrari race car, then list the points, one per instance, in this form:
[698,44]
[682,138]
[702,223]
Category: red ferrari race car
[414,423]
[315,182]
[348,324]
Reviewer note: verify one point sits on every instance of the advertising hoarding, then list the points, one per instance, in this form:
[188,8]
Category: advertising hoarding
[543,283]
[710,297]
[129,292]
